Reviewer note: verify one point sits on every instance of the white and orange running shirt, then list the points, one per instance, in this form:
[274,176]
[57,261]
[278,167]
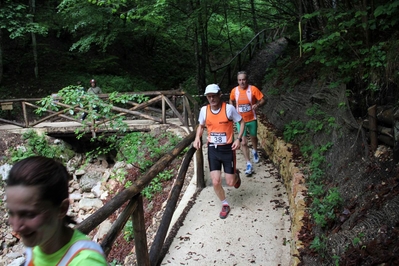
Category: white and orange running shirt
[245,99]
[219,123]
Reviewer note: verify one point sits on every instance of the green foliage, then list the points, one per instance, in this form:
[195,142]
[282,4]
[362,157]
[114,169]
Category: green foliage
[114,262]
[319,121]
[119,175]
[89,22]
[344,45]
[319,245]
[293,129]
[128,184]
[141,150]
[383,12]
[36,145]
[83,102]
[281,74]
[111,84]
[336,260]
[156,184]
[323,209]
[165,175]
[357,239]
[128,231]
[115,97]
[15,18]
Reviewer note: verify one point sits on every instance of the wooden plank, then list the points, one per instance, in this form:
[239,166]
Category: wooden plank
[147,103]
[195,109]
[53,113]
[388,131]
[122,110]
[189,113]
[11,122]
[175,111]
[140,236]
[6,106]
[118,225]
[200,168]
[25,114]
[396,141]
[163,110]
[372,116]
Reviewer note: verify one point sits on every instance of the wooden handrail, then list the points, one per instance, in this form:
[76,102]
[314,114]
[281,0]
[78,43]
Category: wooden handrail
[109,208]
[137,110]
[135,207]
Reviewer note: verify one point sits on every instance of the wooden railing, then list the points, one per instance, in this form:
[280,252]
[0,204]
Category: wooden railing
[135,211]
[382,126]
[226,74]
[160,106]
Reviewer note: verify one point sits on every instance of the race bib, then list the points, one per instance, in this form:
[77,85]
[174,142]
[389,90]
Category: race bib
[243,108]
[218,138]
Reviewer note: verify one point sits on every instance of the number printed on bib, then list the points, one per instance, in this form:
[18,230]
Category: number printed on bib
[218,138]
[243,108]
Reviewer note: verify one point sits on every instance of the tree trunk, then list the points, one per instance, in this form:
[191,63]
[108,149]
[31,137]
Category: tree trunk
[1,48]
[253,14]
[1,55]
[366,31]
[372,115]
[228,30]
[200,46]
[32,4]
[396,141]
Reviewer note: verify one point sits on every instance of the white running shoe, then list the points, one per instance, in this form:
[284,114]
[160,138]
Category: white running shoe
[256,156]
[249,170]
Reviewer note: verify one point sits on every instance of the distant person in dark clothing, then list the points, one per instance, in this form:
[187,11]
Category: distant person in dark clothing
[94,89]
[80,86]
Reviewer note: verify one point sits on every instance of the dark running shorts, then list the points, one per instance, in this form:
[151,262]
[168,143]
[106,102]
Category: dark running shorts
[221,155]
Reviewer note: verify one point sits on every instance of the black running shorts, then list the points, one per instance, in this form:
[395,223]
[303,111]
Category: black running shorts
[221,155]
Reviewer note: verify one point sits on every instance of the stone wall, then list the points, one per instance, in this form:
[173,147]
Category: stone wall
[280,153]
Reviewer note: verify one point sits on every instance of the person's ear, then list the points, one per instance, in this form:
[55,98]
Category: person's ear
[63,208]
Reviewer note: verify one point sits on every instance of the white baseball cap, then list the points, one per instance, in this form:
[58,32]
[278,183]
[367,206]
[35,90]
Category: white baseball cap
[212,88]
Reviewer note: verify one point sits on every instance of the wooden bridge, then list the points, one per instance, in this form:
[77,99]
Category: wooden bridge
[162,107]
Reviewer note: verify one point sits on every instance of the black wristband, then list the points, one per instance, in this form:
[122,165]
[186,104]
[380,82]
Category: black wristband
[240,139]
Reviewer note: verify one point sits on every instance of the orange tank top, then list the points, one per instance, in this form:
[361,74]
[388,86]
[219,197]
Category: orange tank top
[220,127]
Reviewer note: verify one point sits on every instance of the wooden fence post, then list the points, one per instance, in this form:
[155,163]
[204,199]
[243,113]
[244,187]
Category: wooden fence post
[395,126]
[117,226]
[200,168]
[372,113]
[164,110]
[25,114]
[140,236]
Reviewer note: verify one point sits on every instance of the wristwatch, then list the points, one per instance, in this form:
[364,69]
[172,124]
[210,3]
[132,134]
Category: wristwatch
[240,139]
